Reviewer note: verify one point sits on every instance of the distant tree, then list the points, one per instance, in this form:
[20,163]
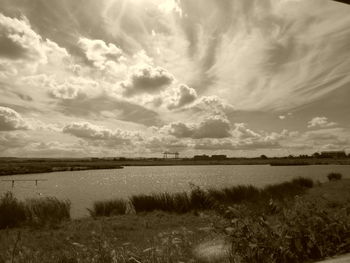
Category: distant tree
[263,156]
[316,155]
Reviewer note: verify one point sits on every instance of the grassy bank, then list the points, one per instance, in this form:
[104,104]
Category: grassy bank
[307,224]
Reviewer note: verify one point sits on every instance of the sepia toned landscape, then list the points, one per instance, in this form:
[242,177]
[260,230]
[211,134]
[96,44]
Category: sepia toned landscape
[173,131]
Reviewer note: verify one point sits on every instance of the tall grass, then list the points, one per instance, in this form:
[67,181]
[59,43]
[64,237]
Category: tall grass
[109,208]
[12,211]
[287,189]
[178,202]
[199,199]
[47,210]
[41,211]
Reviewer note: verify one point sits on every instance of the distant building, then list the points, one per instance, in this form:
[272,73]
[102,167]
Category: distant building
[201,157]
[333,154]
[219,157]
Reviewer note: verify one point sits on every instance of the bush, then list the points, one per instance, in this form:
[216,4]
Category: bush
[304,182]
[282,191]
[305,233]
[48,210]
[109,208]
[12,211]
[334,176]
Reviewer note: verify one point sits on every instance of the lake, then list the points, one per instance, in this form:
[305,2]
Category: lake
[85,187]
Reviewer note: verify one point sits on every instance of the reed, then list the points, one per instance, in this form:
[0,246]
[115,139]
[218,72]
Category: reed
[12,211]
[109,208]
[48,210]
[42,211]
[178,202]
[199,199]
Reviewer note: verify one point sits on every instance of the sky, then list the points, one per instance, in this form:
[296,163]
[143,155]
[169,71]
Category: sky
[134,78]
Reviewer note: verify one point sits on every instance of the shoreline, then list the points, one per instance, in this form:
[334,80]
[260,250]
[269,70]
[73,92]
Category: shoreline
[188,236]
[18,166]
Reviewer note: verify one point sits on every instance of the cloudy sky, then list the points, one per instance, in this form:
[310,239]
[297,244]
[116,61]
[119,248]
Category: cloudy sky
[138,77]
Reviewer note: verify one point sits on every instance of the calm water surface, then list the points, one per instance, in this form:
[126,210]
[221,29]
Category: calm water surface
[84,187]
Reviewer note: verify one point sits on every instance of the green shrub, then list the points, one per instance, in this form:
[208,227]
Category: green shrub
[48,210]
[334,176]
[12,211]
[109,208]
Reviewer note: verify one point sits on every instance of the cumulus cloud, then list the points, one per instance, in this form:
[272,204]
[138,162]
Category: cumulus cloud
[100,53]
[19,41]
[212,105]
[165,143]
[168,6]
[73,87]
[322,139]
[184,95]
[213,127]
[11,120]
[12,140]
[100,135]
[21,47]
[241,131]
[233,145]
[146,79]
[244,138]
[320,122]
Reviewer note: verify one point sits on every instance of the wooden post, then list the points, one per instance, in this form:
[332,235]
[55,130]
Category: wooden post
[13,183]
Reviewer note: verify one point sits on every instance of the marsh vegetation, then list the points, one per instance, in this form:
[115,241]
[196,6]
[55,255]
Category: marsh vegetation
[287,222]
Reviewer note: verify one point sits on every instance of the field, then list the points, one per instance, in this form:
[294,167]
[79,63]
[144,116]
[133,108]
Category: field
[11,166]
[297,227]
